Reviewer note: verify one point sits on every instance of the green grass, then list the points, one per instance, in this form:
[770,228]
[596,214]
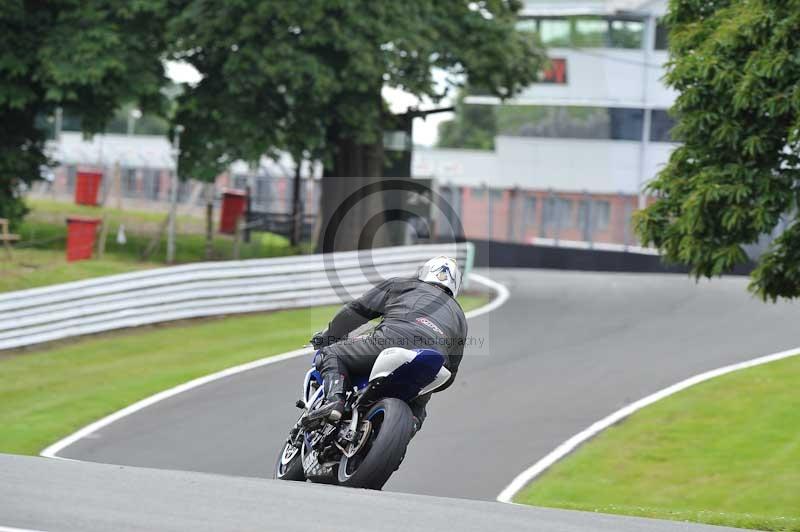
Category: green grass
[40,259]
[45,210]
[49,393]
[189,247]
[725,452]
[30,268]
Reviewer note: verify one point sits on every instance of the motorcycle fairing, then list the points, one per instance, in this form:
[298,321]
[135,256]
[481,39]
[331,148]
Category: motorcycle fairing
[403,373]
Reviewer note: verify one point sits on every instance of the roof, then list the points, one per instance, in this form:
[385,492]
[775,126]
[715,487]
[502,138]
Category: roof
[554,8]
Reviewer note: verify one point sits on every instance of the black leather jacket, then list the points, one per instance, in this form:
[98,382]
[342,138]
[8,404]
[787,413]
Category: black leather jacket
[415,314]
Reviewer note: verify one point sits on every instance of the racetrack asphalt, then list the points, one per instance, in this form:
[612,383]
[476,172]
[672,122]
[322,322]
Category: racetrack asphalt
[38,494]
[566,349]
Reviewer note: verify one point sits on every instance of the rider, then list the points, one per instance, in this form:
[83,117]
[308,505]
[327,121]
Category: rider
[417,312]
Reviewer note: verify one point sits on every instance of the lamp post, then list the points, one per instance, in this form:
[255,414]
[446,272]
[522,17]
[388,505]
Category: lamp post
[173,195]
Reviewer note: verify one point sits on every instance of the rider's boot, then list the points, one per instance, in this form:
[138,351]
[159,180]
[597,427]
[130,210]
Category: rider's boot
[334,406]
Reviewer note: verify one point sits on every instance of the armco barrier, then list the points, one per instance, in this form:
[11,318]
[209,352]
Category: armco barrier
[38,315]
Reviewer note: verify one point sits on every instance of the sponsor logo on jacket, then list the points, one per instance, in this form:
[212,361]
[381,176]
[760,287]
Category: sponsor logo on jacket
[429,324]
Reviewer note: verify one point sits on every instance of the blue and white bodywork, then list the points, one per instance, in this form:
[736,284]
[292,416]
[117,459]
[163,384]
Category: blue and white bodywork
[402,373]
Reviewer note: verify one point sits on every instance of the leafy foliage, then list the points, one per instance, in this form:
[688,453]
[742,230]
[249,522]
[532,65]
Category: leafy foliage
[85,56]
[736,67]
[308,75]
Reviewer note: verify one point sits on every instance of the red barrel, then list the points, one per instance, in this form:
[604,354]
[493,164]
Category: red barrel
[234,203]
[80,237]
[87,186]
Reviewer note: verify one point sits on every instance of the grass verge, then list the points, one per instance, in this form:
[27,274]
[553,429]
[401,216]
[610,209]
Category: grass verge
[725,452]
[39,258]
[49,393]
[30,268]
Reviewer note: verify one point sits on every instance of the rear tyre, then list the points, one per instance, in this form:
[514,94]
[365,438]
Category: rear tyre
[392,428]
[290,464]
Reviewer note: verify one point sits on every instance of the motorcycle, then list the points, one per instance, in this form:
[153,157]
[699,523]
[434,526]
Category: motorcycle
[369,442]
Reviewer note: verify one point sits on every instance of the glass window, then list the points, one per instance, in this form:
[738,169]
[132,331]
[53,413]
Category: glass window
[601,215]
[72,170]
[662,36]
[555,32]
[152,182]
[570,122]
[565,213]
[129,185]
[593,215]
[590,33]
[239,182]
[585,32]
[625,124]
[583,213]
[529,213]
[626,34]
[661,125]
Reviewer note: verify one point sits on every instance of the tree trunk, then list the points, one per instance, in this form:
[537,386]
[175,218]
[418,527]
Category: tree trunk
[209,193]
[297,204]
[350,198]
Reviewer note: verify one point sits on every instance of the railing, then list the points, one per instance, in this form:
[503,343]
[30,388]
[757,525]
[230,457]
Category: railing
[38,315]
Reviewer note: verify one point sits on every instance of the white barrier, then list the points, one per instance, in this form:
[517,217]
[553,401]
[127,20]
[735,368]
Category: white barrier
[38,315]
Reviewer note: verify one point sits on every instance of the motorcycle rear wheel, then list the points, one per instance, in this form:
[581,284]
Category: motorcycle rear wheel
[392,428]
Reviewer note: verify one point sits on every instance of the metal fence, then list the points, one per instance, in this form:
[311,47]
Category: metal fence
[203,289]
[502,214]
[270,193]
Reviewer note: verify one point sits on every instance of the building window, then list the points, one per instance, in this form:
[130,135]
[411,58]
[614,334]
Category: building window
[129,188]
[662,36]
[565,213]
[152,183]
[555,32]
[239,181]
[601,215]
[585,32]
[625,124]
[72,170]
[570,122]
[626,34]
[529,211]
[661,125]
[593,215]
[590,33]
[559,213]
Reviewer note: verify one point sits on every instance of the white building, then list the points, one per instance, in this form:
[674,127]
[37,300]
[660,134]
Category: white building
[597,122]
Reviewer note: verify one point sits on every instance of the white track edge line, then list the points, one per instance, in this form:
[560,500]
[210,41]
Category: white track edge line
[524,478]
[12,529]
[52,451]
[501,295]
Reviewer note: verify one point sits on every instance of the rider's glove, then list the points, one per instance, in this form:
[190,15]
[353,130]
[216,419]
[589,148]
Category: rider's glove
[320,340]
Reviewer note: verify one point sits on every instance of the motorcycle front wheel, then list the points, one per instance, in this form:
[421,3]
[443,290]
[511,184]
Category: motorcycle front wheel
[290,464]
[392,426]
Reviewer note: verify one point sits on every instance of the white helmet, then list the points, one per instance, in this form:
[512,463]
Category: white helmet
[442,271]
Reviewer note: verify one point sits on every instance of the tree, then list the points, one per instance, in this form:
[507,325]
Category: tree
[314,71]
[86,57]
[736,68]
